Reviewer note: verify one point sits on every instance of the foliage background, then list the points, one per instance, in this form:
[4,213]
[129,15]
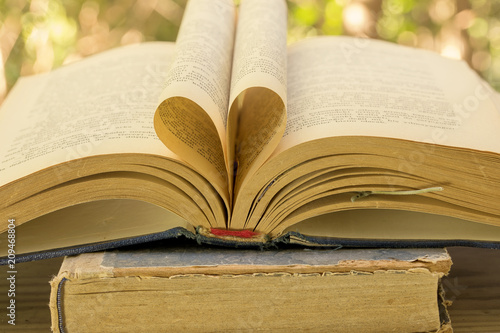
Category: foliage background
[38,35]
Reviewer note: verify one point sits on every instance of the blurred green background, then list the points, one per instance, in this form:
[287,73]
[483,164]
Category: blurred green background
[38,35]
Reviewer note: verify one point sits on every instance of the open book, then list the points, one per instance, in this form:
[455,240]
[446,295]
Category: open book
[233,136]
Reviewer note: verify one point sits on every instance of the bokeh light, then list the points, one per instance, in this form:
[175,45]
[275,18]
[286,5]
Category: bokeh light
[356,18]
[39,35]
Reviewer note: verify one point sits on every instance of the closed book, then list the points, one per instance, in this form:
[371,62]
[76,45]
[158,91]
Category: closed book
[194,289]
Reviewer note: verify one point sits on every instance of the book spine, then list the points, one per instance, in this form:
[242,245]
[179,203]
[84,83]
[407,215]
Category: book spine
[55,304]
[239,236]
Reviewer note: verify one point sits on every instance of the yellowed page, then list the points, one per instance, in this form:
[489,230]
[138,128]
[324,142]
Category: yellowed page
[388,224]
[101,105]
[340,86]
[192,115]
[257,116]
[93,222]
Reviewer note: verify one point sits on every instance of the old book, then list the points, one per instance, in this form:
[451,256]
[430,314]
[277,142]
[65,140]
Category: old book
[227,290]
[230,136]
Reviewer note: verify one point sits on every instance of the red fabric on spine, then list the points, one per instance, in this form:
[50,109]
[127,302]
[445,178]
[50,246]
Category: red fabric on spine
[235,233]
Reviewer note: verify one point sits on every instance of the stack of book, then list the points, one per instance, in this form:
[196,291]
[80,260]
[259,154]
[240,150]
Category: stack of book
[232,138]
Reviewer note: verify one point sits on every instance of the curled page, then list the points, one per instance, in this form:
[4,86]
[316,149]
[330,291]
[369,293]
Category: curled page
[257,116]
[191,119]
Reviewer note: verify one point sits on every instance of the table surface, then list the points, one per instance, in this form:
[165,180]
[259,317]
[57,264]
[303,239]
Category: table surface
[473,285]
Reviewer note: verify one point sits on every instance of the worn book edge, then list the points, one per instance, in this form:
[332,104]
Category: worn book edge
[90,267]
[57,290]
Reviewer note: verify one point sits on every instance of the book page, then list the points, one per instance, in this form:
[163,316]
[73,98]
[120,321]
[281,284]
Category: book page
[192,115]
[340,86]
[257,116]
[100,105]
[93,222]
[394,224]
